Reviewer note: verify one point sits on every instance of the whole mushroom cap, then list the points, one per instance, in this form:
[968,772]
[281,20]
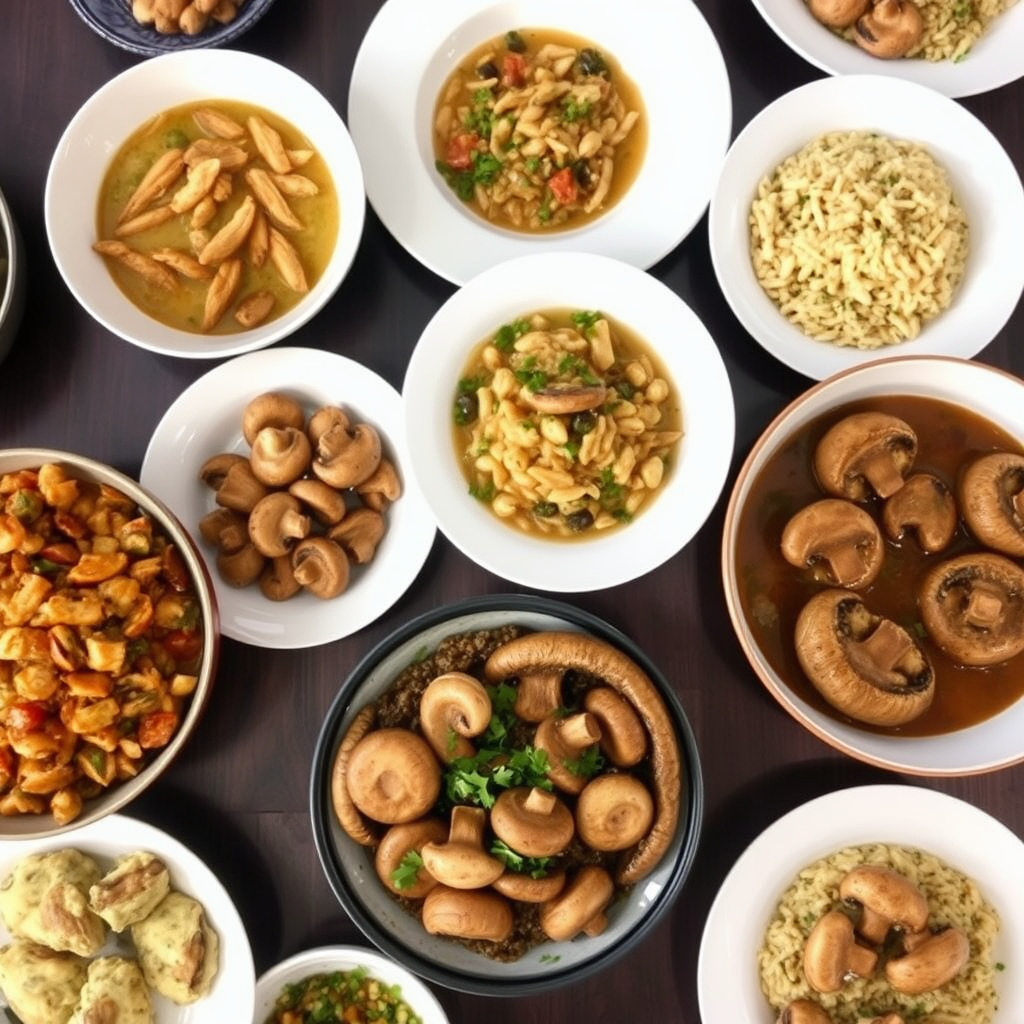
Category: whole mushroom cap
[533,822]
[454,707]
[803,1011]
[580,906]
[320,566]
[613,812]
[467,914]
[863,454]
[276,522]
[280,455]
[973,608]
[347,456]
[271,409]
[460,861]
[889,28]
[832,955]
[837,539]
[392,776]
[887,900]
[623,737]
[837,13]
[930,964]
[925,505]
[991,494]
[396,843]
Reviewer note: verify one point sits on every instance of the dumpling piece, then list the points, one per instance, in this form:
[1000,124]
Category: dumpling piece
[177,948]
[41,984]
[114,993]
[130,890]
[46,899]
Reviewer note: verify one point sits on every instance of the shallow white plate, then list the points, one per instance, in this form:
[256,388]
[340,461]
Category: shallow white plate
[207,418]
[125,103]
[658,316]
[965,837]
[983,178]
[326,959]
[996,59]
[232,995]
[411,47]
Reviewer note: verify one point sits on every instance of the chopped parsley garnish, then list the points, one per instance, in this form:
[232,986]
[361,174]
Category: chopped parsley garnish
[585,319]
[506,335]
[572,366]
[404,876]
[589,763]
[462,182]
[535,867]
[573,110]
[483,492]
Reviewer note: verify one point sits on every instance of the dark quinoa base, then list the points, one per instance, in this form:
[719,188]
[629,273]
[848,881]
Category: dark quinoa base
[398,707]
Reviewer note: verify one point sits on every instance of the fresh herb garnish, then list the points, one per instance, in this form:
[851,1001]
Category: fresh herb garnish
[535,867]
[589,763]
[505,336]
[585,320]
[404,876]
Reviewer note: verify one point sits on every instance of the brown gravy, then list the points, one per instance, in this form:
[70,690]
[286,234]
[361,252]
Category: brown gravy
[772,592]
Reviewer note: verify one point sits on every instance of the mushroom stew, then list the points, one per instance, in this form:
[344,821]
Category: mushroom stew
[936,633]
[512,785]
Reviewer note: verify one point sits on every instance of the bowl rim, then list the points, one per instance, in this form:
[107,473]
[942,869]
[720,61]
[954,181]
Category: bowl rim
[12,292]
[127,791]
[320,811]
[732,512]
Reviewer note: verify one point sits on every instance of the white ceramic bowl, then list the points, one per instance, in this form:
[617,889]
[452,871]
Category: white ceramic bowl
[119,795]
[996,396]
[326,959]
[654,313]
[963,836]
[12,278]
[411,47]
[121,106]
[983,178]
[350,867]
[995,60]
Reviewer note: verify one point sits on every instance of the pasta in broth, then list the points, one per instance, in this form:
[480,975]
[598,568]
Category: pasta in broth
[538,131]
[565,424]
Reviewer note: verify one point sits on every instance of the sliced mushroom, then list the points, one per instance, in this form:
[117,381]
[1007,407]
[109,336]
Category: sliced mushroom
[886,900]
[539,695]
[580,906]
[558,399]
[271,409]
[992,499]
[347,456]
[837,540]
[396,844]
[460,861]
[527,889]
[359,533]
[623,740]
[613,812]
[280,455]
[889,28]
[973,608]
[803,1011]
[565,740]
[320,566]
[325,504]
[933,961]
[864,665]
[277,581]
[454,707]
[533,822]
[837,13]
[392,776]
[832,955]
[863,454]
[276,522]
[240,490]
[925,505]
[481,915]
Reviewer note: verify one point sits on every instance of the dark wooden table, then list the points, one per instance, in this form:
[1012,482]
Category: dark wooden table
[238,794]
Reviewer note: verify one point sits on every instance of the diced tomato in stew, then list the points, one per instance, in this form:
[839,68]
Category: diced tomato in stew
[156,729]
[459,155]
[563,186]
[513,69]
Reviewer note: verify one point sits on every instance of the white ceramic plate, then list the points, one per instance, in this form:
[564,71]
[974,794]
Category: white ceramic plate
[326,959]
[410,48]
[983,178]
[996,59]
[963,836]
[232,995]
[206,419]
[656,314]
[120,107]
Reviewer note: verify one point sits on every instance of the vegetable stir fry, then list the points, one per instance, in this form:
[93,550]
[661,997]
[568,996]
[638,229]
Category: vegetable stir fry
[350,996]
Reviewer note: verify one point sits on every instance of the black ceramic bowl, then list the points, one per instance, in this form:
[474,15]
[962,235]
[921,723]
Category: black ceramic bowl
[113,20]
[350,868]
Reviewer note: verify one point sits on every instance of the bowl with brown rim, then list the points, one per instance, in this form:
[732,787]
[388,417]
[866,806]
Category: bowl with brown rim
[917,649]
[109,641]
[518,955]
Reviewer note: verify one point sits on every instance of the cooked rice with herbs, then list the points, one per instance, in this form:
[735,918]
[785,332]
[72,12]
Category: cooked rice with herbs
[953,899]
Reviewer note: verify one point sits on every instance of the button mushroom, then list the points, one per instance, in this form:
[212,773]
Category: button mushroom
[863,454]
[277,581]
[359,533]
[973,608]
[275,523]
[886,900]
[613,812]
[580,906]
[381,488]
[623,740]
[392,776]
[320,566]
[454,707]
[213,471]
[932,962]
[326,418]
[324,503]
[864,665]
[527,889]
[396,844]
[837,13]
[347,456]
[837,540]
[280,455]
[832,955]
[240,490]
[803,1011]
[565,740]
[460,861]
[242,567]
[925,505]
[224,528]
[889,28]
[271,409]
[538,695]
[533,822]
[992,499]
[565,399]
[345,810]
[480,915]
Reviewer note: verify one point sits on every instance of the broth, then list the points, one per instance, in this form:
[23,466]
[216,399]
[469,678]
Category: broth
[182,307]
[772,592]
